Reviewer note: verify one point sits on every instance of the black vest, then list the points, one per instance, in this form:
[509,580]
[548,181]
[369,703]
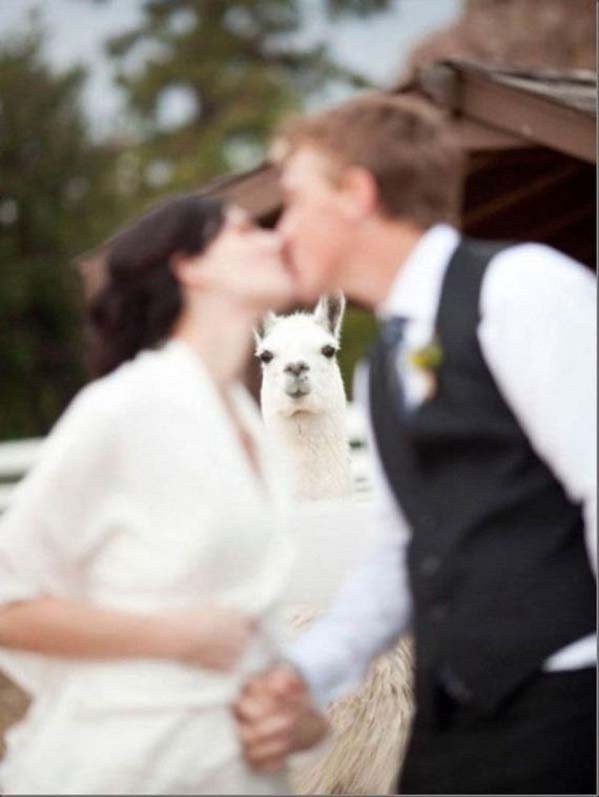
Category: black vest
[498,568]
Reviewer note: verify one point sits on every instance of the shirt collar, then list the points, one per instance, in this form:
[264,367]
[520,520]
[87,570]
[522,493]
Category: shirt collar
[416,289]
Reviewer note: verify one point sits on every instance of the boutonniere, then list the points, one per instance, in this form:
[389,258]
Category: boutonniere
[427,361]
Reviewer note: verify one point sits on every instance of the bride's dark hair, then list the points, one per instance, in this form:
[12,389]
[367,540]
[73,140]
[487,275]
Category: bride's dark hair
[140,299]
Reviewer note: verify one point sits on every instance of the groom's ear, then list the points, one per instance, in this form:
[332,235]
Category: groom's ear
[264,326]
[329,312]
[358,192]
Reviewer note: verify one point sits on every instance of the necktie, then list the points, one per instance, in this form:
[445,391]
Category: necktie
[392,337]
[392,331]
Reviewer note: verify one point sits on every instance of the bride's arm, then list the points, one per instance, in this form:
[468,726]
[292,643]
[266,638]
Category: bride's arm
[48,534]
[210,636]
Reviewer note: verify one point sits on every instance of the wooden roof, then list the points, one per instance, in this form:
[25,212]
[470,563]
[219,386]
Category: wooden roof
[543,107]
[530,140]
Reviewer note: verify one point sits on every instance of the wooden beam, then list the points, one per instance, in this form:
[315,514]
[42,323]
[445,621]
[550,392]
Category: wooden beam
[476,136]
[579,213]
[514,196]
[530,116]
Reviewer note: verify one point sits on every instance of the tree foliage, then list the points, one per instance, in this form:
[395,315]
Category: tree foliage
[243,65]
[240,66]
[55,198]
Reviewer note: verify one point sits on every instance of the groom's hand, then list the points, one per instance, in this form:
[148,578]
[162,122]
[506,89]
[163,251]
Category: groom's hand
[276,717]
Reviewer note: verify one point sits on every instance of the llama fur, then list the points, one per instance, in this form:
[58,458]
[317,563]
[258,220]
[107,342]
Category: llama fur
[303,398]
[304,411]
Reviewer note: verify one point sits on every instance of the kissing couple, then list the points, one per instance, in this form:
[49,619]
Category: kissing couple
[143,558]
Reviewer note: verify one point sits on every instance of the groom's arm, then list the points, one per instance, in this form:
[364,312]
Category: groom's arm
[372,610]
[278,711]
[374,607]
[538,335]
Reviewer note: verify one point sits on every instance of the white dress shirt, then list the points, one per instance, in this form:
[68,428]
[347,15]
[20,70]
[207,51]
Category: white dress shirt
[538,337]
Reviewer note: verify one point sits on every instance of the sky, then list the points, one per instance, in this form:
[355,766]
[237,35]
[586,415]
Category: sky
[377,47]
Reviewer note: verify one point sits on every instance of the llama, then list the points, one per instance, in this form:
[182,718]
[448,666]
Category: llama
[304,407]
[303,399]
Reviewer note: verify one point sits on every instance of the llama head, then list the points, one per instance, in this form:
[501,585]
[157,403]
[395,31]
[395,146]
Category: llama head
[298,352]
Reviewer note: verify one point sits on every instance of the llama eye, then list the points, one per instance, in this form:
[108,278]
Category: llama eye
[265,356]
[329,351]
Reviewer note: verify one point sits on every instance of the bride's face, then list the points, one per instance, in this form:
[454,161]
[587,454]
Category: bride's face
[245,263]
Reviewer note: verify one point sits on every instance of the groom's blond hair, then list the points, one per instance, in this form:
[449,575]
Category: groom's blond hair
[405,144]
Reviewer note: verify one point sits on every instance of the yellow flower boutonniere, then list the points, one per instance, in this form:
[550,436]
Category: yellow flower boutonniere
[427,360]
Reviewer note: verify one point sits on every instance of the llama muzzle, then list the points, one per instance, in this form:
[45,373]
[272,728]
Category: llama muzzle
[296,387]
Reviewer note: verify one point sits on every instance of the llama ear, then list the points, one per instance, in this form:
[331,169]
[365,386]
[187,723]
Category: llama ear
[329,312]
[264,326]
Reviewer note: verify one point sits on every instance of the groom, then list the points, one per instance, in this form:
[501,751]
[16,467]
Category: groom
[481,398]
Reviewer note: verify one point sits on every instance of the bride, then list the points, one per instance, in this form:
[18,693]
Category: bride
[142,558]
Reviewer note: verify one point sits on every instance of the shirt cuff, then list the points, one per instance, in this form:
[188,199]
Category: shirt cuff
[324,667]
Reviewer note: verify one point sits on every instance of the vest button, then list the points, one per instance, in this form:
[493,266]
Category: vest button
[455,687]
[429,565]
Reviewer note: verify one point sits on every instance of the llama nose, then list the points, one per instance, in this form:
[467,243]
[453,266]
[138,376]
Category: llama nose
[296,368]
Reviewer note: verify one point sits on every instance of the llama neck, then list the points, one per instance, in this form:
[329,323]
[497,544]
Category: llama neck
[317,452]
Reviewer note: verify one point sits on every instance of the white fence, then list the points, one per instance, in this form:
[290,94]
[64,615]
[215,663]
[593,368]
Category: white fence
[17,457]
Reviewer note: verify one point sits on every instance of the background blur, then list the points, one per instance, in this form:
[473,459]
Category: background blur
[107,104]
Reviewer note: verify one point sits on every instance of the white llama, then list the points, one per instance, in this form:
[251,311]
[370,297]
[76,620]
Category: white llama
[303,400]
[304,409]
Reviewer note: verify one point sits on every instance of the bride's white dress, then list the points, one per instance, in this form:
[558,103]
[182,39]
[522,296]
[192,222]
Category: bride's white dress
[142,500]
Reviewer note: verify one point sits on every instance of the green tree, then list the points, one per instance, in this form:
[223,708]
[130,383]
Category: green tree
[55,201]
[238,65]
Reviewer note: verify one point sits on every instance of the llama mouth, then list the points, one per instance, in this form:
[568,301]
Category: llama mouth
[297,393]
[297,387]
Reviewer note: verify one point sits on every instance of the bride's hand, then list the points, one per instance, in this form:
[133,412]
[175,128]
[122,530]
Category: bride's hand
[211,637]
[276,716]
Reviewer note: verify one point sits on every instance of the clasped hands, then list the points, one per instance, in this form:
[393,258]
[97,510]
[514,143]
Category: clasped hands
[276,716]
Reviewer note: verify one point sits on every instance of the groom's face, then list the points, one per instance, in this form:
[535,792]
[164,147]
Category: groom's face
[315,229]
